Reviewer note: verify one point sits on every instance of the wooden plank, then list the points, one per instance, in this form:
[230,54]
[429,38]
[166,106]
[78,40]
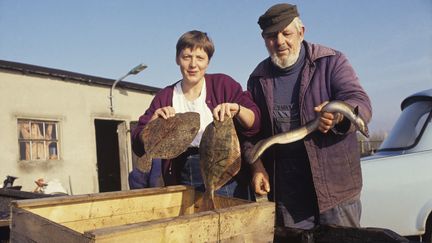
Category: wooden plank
[95,206]
[201,227]
[251,221]
[99,196]
[17,237]
[245,223]
[123,139]
[115,220]
[29,227]
[87,214]
[107,208]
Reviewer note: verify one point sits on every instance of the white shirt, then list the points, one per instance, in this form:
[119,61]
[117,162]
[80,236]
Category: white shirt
[181,105]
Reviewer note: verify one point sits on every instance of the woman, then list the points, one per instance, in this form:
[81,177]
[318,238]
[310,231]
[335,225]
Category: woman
[212,96]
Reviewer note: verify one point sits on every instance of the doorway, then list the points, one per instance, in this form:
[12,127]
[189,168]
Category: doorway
[111,165]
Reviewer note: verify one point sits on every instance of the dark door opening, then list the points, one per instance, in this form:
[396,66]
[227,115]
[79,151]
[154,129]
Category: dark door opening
[108,158]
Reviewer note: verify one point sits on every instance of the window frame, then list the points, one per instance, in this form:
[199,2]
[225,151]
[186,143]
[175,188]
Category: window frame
[41,143]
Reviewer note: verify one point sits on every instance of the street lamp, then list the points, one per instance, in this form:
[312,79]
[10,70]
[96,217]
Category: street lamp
[134,71]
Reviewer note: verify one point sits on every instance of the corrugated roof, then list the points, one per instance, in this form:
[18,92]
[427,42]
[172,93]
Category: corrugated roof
[71,76]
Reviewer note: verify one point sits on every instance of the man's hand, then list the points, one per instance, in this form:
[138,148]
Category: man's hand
[327,120]
[164,112]
[260,178]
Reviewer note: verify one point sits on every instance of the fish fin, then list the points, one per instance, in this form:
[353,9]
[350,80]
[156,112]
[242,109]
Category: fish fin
[356,111]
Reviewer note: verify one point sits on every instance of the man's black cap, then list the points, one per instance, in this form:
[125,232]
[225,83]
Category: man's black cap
[277,17]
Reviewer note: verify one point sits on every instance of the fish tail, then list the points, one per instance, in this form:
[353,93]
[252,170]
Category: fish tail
[208,201]
[259,149]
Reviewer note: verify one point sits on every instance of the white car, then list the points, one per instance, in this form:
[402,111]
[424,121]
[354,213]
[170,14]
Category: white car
[397,179]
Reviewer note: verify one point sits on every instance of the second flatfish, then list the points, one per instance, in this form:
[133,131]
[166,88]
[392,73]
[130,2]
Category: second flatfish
[220,158]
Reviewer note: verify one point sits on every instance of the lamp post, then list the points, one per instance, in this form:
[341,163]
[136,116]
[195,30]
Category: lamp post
[133,71]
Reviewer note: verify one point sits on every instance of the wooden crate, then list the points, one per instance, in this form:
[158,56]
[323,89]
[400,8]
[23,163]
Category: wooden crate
[168,214]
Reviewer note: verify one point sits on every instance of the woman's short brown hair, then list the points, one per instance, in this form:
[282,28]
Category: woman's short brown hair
[195,39]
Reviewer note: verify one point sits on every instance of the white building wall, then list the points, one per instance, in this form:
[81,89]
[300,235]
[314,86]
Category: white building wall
[75,106]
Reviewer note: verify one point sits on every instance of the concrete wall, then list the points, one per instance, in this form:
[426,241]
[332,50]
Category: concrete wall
[75,106]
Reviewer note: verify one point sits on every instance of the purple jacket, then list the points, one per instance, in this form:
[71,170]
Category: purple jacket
[220,89]
[334,157]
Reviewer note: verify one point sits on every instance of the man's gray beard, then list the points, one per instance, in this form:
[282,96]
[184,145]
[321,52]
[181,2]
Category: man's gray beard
[285,62]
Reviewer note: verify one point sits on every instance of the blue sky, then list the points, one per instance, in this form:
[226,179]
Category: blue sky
[389,42]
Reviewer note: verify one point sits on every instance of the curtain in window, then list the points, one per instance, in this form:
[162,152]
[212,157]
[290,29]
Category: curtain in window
[37,146]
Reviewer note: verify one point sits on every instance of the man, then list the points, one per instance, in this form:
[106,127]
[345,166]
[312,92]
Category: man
[316,180]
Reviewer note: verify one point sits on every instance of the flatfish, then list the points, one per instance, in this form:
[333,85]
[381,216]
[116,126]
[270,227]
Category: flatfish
[220,158]
[168,138]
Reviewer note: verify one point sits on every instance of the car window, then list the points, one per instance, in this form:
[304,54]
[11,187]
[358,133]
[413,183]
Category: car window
[420,123]
[409,126]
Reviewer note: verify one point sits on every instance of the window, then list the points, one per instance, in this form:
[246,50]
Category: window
[38,140]
[406,131]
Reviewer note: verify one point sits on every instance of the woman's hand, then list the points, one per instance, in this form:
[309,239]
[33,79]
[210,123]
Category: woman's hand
[225,109]
[164,112]
[245,116]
